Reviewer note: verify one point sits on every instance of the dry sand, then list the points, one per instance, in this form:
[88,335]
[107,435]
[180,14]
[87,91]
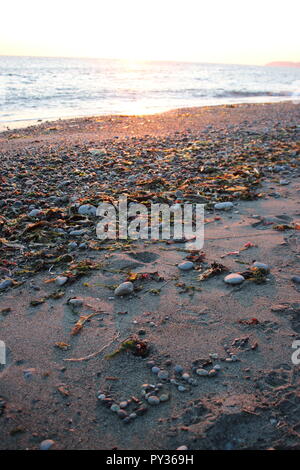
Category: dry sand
[253,403]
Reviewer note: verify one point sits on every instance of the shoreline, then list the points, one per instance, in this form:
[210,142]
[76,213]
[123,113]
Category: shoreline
[58,350]
[19,124]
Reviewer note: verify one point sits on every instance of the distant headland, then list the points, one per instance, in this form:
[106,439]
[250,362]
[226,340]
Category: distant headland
[283,64]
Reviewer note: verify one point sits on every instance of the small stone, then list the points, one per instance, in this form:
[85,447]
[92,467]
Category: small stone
[214,355]
[163,374]
[186,376]
[178,369]
[234,278]
[186,266]
[262,266]
[181,388]
[155,370]
[132,415]
[202,372]
[61,280]
[122,414]
[223,206]
[296,279]
[234,358]
[217,367]
[87,209]
[78,233]
[212,373]
[164,397]
[76,302]
[142,410]
[123,404]
[284,182]
[34,213]
[46,444]
[115,408]
[101,397]
[5,284]
[153,400]
[182,448]
[150,364]
[124,289]
[228,359]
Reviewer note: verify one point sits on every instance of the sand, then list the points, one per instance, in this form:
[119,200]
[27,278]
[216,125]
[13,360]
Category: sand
[251,403]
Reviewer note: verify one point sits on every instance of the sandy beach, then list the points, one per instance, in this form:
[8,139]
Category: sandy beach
[237,386]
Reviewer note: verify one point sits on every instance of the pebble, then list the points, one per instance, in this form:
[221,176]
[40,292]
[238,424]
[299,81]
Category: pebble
[155,370]
[163,374]
[284,182]
[47,444]
[214,355]
[182,448]
[115,408]
[234,278]
[202,372]
[122,414]
[76,302]
[72,245]
[181,388]
[296,279]
[186,376]
[223,206]
[212,373]
[101,396]
[262,266]
[34,213]
[234,358]
[132,415]
[87,209]
[178,369]
[164,397]
[6,283]
[123,404]
[61,280]
[124,289]
[153,400]
[186,266]
[77,233]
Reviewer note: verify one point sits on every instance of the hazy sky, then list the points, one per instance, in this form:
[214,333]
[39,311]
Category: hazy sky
[227,31]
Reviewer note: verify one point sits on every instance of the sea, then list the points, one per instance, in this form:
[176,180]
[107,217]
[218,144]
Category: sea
[34,89]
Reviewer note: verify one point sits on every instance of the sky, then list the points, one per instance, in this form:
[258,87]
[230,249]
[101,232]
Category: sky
[216,31]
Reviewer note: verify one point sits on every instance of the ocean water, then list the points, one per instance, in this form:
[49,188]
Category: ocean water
[49,88]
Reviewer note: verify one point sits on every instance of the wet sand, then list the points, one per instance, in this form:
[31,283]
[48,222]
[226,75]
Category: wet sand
[245,154]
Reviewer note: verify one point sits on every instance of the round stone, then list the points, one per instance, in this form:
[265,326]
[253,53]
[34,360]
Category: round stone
[202,372]
[124,289]
[234,278]
[123,404]
[34,213]
[212,373]
[186,266]
[181,388]
[61,280]
[213,355]
[122,414]
[178,369]
[262,266]
[5,284]
[46,444]
[155,370]
[182,448]
[101,396]
[296,279]
[186,376]
[87,209]
[164,397]
[153,400]
[224,206]
[132,415]
[163,374]
[76,302]
[234,358]
[217,367]
[115,408]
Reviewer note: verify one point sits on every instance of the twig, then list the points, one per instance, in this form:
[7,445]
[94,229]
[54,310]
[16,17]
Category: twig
[86,358]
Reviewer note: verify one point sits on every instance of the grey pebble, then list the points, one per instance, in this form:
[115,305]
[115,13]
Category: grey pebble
[153,400]
[234,278]
[124,289]
[186,266]
[46,444]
